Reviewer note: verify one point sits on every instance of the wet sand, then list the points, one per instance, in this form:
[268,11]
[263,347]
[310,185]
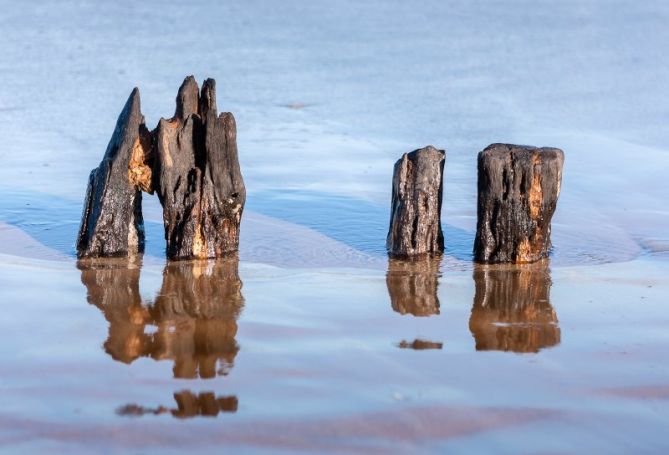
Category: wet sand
[201,355]
[312,340]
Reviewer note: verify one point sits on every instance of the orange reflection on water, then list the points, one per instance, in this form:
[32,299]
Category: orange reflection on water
[205,404]
[412,285]
[512,310]
[192,321]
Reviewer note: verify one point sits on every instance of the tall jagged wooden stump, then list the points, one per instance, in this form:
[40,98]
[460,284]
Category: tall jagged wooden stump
[112,223]
[518,189]
[197,176]
[415,218]
[190,160]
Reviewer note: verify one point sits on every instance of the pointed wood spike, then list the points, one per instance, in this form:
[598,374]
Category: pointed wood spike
[112,223]
[208,99]
[188,99]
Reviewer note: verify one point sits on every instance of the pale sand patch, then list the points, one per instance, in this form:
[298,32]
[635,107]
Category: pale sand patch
[15,242]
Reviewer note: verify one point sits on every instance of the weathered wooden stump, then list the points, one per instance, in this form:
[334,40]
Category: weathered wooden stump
[512,310]
[518,189]
[415,217]
[190,160]
[112,223]
[197,176]
[412,285]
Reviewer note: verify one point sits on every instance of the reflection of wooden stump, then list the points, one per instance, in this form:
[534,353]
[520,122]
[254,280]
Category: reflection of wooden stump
[512,310]
[112,223]
[518,189]
[420,345]
[195,313]
[415,217]
[202,404]
[412,285]
[189,405]
[113,287]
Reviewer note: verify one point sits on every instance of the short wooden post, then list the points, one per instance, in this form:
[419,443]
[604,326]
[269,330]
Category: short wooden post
[415,217]
[518,189]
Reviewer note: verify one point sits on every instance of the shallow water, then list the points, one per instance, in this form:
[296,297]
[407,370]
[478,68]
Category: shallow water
[119,356]
[312,340]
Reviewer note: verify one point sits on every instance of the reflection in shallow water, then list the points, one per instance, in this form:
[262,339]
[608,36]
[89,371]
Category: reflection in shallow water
[419,345]
[188,405]
[193,320]
[512,310]
[412,285]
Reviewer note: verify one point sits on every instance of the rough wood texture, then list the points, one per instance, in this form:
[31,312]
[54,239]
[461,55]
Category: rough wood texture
[194,316]
[415,217]
[512,310]
[412,285]
[518,189]
[112,223]
[197,176]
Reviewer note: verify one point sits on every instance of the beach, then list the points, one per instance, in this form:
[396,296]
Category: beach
[311,339]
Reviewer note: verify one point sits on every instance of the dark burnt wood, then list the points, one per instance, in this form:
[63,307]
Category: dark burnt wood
[112,223]
[518,189]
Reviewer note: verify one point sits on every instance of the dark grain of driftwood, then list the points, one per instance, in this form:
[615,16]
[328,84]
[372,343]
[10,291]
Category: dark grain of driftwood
[415,218]
[518,189]
[112,223]
[197,176]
